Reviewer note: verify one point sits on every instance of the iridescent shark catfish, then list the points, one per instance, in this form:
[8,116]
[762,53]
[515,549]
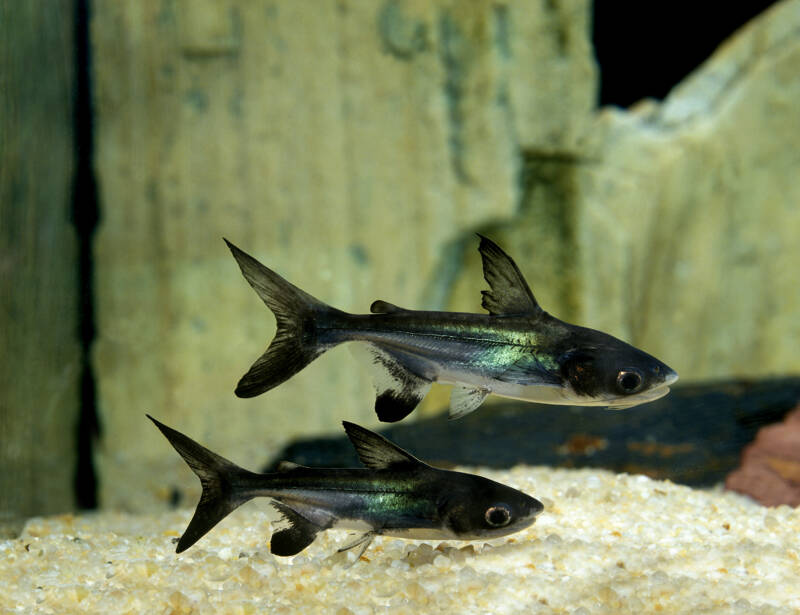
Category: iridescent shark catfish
[396,494]
[518,350]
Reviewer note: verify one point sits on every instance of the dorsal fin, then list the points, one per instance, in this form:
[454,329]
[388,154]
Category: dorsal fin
[375,451]
[384,307]
[509,292]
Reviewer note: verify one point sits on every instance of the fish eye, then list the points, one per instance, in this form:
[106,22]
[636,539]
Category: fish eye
[629,381]
[498,516]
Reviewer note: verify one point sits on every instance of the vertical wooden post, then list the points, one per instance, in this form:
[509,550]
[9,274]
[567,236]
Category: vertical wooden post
[39,351]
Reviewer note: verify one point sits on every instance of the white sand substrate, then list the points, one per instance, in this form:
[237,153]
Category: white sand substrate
[605,543]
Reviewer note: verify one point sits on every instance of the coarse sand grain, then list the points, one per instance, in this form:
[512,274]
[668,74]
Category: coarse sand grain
[605,543]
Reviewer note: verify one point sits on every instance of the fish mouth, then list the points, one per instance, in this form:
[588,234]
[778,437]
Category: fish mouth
[635,400]
[621,403]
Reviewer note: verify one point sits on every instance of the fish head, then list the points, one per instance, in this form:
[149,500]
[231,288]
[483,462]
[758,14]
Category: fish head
[483,508]
[599,370]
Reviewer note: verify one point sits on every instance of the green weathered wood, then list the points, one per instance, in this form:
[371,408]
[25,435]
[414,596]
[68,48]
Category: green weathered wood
[39,353]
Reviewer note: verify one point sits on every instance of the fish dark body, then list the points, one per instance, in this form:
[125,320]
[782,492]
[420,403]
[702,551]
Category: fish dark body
[395,495]
[517,350]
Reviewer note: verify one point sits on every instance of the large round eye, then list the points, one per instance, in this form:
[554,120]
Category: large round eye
[629,381]
[498,516]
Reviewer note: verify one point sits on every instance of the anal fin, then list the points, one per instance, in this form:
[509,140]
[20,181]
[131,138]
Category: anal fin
[398,390]
[464,400]
[296,536]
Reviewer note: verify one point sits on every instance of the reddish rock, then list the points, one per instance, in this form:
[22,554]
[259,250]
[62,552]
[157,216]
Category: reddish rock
[770,470]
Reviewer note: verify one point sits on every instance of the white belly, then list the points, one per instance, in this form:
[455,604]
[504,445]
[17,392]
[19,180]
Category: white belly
[542,393]
[409,533]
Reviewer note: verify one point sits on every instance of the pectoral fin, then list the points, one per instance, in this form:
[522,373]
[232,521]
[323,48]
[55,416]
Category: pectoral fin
[364,540]
[296,536]
[361,540]
[398,390]
[464,400]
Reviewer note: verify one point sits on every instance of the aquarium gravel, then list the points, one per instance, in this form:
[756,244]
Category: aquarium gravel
[605,543]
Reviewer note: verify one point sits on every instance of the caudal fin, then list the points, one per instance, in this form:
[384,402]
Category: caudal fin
[295,343]
[220,479]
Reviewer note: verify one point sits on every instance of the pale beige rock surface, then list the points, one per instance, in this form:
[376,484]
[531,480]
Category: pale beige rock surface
[604,544]
[347,145]
[707,184]
[39,352]
[355,148]
[676,228]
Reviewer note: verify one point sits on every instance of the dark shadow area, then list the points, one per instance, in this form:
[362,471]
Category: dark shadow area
[694,435]
[644,49]
[85,215]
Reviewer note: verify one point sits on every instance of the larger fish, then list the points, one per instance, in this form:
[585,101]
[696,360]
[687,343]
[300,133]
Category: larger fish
[518,350]
[396,495]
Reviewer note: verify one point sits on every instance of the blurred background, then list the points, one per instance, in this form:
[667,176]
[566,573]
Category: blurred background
[638,160]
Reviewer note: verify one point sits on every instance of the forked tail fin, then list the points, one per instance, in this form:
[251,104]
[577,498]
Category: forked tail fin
[220,479]
[295,343]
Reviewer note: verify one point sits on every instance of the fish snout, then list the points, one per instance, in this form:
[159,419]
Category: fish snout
[661,375]
[535,507]
[670,376]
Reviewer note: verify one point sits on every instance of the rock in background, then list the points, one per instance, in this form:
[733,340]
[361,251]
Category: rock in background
[770,467]
[349,145]
[41,361]
[676,226]
[355,148]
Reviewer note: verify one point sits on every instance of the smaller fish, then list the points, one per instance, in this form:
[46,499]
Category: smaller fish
[395,495]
